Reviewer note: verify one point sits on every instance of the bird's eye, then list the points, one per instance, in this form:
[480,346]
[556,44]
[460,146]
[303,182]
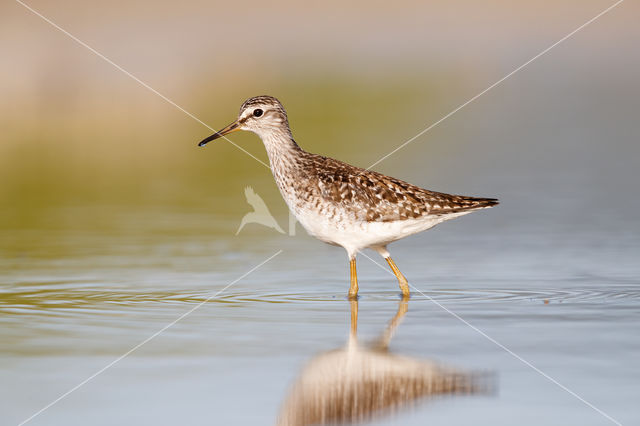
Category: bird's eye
[257,112]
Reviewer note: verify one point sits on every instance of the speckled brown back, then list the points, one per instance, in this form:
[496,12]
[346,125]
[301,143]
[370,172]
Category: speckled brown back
[372,196]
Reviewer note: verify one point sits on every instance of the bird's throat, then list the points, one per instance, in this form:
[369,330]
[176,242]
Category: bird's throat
[282,150]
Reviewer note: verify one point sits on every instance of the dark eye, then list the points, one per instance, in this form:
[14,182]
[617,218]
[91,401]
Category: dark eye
[257,112]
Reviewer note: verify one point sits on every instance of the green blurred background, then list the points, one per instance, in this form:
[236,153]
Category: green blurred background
[80,138]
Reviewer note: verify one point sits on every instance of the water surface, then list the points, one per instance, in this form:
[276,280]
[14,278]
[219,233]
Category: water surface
[73,302]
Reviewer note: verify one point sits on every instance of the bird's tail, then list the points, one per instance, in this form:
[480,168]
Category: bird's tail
[481,203]
[465,204]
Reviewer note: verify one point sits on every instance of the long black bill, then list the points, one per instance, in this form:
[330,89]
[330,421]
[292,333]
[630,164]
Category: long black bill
[233,127]
[214,136]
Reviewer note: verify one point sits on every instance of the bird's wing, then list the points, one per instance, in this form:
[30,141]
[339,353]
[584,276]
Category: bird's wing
[374,197]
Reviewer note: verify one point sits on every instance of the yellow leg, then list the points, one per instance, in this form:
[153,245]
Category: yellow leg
[402,281]
[353,289]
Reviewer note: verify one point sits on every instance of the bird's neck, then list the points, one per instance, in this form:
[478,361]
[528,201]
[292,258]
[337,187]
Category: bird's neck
[281,148]
[285,158]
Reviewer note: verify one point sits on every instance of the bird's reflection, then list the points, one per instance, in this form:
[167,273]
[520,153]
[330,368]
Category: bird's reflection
[362,382]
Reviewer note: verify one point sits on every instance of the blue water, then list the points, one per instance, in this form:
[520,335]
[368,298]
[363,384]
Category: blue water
[568,305]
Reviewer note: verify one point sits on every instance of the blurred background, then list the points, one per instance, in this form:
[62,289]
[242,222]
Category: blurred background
[357,82]
[106,201]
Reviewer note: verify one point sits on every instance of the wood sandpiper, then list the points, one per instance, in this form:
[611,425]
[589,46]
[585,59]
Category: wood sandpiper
[341,204]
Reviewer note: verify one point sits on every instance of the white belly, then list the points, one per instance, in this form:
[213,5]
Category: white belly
[357,235]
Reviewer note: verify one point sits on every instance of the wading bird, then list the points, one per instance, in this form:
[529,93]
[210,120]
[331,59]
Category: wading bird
[341,204]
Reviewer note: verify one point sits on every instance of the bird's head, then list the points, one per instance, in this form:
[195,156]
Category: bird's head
[260,115]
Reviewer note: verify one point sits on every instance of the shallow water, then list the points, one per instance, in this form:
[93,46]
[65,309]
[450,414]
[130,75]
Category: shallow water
[81,300]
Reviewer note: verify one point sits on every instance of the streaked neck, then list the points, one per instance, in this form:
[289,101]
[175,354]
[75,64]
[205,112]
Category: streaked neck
[280,146]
